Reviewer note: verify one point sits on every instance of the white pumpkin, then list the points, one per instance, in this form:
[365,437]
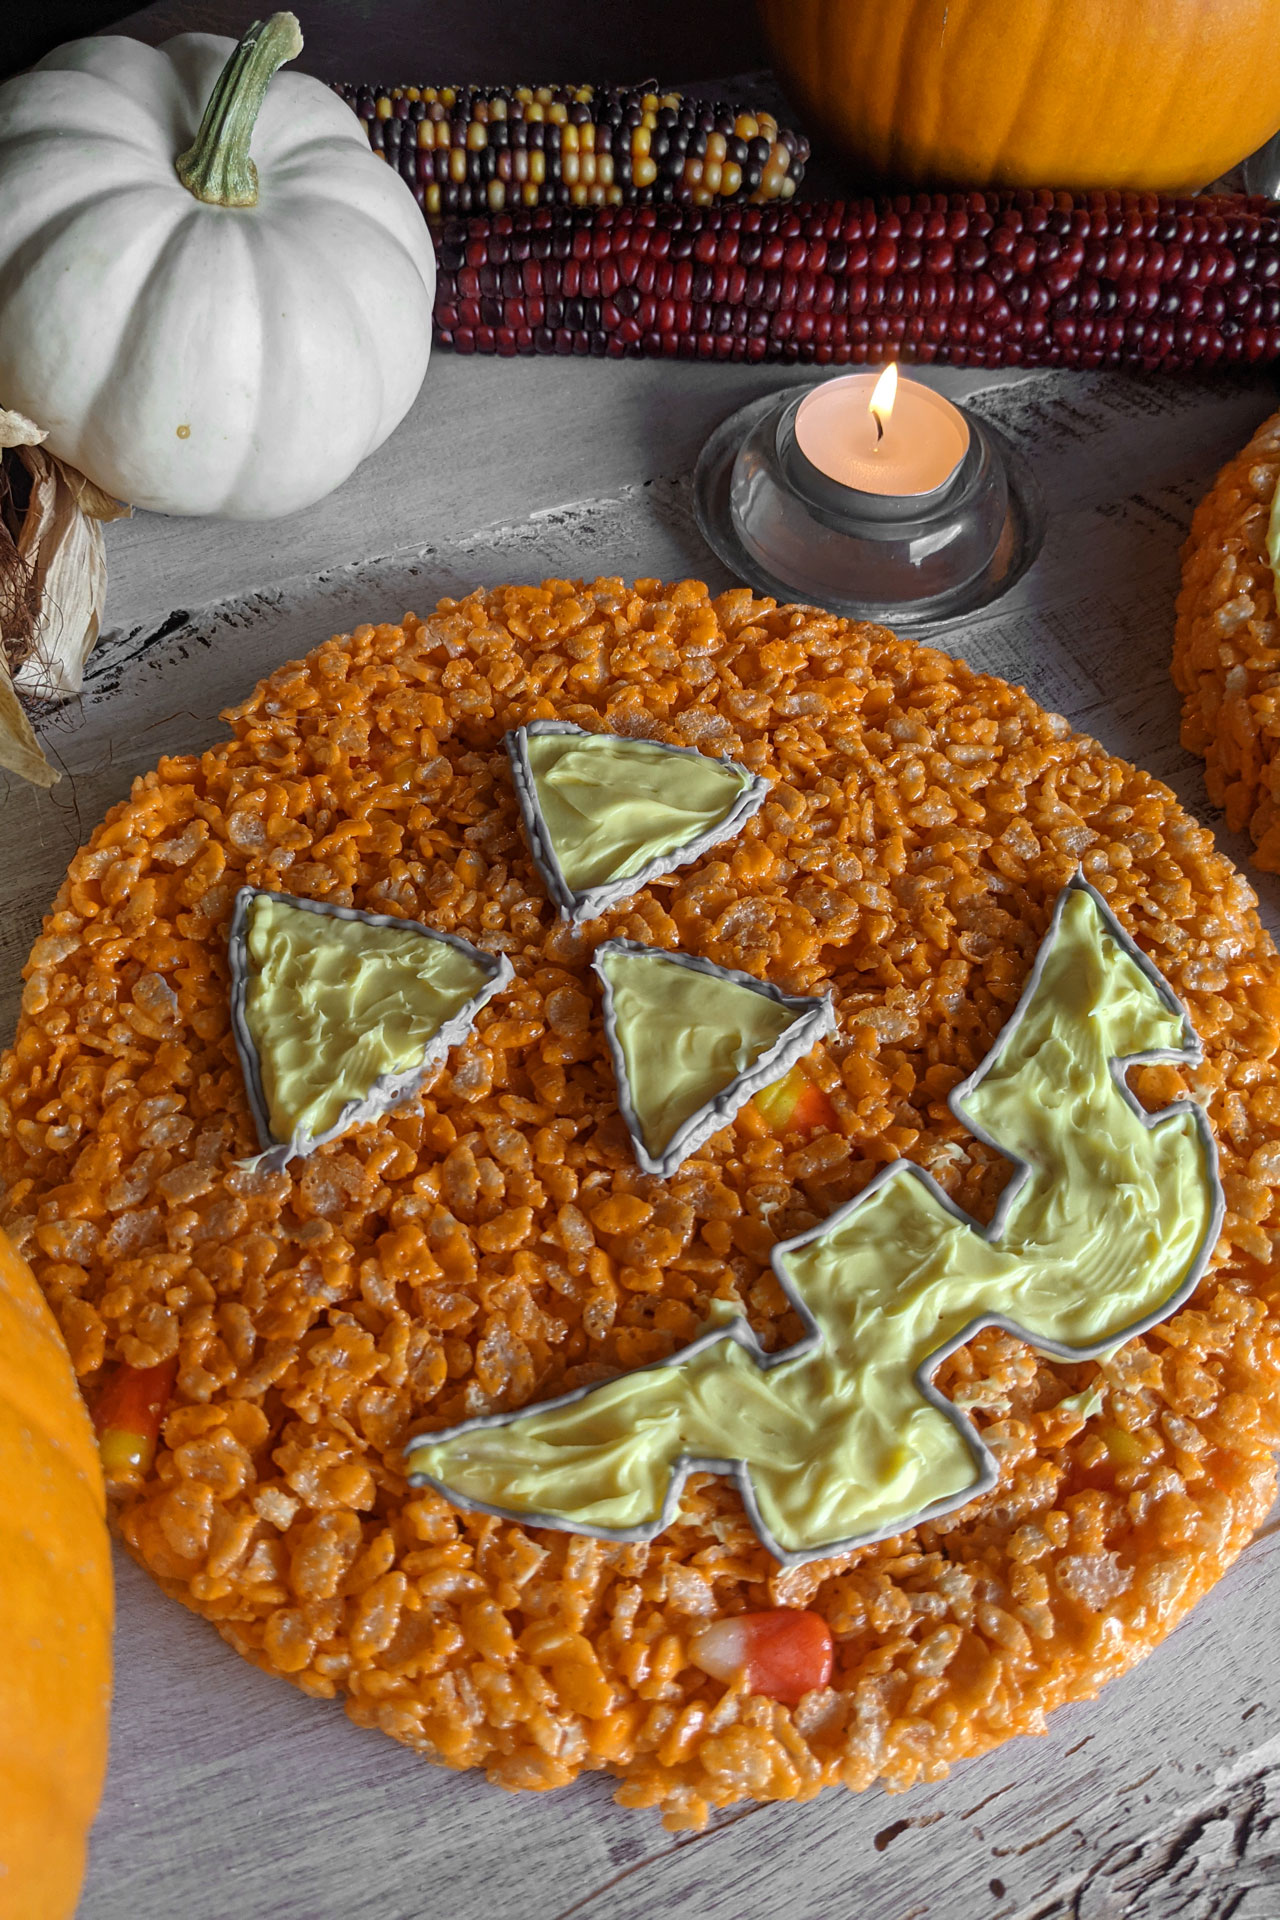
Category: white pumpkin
[197,357]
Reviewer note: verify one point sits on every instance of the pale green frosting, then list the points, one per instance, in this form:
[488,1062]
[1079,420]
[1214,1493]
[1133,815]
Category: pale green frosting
[685,1036]
[612,805]
[840,1443]
[332,1005]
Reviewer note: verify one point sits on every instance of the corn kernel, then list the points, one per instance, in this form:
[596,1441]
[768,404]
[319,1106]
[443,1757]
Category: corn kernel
[455,124]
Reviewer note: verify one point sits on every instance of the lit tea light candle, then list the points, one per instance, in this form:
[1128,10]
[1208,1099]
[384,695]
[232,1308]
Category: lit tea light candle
[882,435]
[871,495]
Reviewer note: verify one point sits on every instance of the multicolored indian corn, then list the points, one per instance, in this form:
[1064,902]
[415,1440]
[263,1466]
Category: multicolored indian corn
[484,149]
[1015,278]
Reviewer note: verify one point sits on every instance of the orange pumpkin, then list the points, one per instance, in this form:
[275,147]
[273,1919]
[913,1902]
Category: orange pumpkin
[1164,94]
[55,1610]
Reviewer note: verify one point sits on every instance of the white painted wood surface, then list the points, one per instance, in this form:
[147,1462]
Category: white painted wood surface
[232,1797]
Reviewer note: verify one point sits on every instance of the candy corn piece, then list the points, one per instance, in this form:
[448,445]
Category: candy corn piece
[128,1417]
[796,1104]
[785,1653]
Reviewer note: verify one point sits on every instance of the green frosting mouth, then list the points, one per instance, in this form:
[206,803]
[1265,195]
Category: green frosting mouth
[1103,1229]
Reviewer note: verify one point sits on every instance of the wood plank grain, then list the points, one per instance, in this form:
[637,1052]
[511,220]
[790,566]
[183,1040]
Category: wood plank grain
[230,1794]
[489,444]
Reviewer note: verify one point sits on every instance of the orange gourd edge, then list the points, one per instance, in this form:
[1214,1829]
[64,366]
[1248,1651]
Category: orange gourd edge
[1161,95]
[55,1609]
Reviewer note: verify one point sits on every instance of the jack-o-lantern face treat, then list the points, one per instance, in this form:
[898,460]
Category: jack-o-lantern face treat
[492,1239]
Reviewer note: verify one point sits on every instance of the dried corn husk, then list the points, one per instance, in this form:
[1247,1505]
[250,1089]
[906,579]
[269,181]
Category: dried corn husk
[53,580]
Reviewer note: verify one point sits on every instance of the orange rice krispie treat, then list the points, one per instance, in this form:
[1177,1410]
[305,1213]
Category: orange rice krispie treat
[495,1241]
[1226,648]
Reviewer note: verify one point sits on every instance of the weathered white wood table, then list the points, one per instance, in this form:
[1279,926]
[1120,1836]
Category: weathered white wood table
[230,1796]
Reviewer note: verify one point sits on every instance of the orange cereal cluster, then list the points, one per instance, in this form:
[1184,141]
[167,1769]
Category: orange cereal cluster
[494,1242]
[1226,648]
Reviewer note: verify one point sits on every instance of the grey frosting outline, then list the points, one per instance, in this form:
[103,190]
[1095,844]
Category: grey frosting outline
[815,1017]
[738,1329]
[389,1090]
[588,903]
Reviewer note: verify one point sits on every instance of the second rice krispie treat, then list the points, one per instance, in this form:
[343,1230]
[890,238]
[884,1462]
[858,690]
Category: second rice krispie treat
[1226,649]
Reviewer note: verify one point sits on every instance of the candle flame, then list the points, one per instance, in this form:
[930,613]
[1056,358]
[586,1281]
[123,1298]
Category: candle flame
[883,395]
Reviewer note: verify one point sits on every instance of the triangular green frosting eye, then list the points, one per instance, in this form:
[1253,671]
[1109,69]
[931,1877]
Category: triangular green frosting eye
[334,1005]
[604,814]
[691,1043]
[612,805]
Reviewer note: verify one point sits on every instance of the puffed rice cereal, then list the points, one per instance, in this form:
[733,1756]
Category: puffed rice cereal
[494,1242]
[1226,648]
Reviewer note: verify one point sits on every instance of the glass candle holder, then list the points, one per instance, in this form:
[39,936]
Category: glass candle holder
[789,529]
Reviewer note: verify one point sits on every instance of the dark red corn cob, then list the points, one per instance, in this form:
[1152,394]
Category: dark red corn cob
[486,149]
[977,279]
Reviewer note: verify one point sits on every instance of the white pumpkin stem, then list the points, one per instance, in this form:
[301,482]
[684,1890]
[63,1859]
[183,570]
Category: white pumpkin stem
[216,167]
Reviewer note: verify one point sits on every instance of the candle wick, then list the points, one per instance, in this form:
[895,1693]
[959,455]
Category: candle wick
[879,428]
